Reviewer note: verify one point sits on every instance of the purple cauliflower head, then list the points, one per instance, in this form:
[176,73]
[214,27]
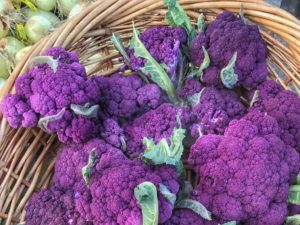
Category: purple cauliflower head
[245,174]
[54,83]
[68,172]
[284,106]
[157,124]
[126,96]
[226,35]
[17,111]
[53,206]
[72,158]
[163,43]
[112,133]
[112,189]
[212,109]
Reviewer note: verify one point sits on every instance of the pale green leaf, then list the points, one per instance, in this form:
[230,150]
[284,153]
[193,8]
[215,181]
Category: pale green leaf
[294,195]
[38,60]
[43,122]
[198,72]
[195,98]
[117,41]
[164,153]
[146,195]
[254,98]
[228,76]
[163,189]
[86,110]
[87,169]
[293,220]
[176,16]
[195,206]
[200,23]
[230,223]
[152,68]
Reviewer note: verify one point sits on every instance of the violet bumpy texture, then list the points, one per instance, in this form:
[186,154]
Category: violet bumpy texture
[45,95]
[226,35]
[163,43]
[284,106]
[237,168]
[127,96]
[211,108]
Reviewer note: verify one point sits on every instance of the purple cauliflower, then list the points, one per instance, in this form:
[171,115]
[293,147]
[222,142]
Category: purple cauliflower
[163,43]
[52,207]
[17,111]
[191,86]
[212,109]
[245,174]
[157,124]
[112,189]
[126,96]
[68,174]
[227,35]
[284,106]
[53,85]
[72,158]
[112,133]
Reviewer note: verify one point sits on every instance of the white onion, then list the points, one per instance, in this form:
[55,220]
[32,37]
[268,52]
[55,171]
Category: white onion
[5,5]
[67,5]
[53,19]
[11,45]
[21,53]
[47,5]
[37,27]
[77,8]
[4,67]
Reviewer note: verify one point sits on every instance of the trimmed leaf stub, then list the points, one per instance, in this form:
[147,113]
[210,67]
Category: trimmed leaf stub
[293,220]
[198,72]
[123,144]
[146,195]
[117,41]
[87,170]
[43,122]
[176,16]
[38,60]
[200,23]
[230,223]
[195,98]
[86,110]
[228,76]
[254,98]
[152,68]
[195,206]
[294,195]
[163,189]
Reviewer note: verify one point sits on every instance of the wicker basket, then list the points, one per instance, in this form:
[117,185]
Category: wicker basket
[27,156]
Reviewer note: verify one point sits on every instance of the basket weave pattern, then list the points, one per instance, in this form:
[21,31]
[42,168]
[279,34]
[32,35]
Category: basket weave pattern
[27,156]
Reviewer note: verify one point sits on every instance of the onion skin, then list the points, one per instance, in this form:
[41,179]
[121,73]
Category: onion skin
[47,5]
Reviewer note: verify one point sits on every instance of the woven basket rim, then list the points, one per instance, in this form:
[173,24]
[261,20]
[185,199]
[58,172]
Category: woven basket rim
[25,153]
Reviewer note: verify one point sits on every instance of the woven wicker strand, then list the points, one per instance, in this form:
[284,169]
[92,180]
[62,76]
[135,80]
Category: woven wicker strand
[27,156]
